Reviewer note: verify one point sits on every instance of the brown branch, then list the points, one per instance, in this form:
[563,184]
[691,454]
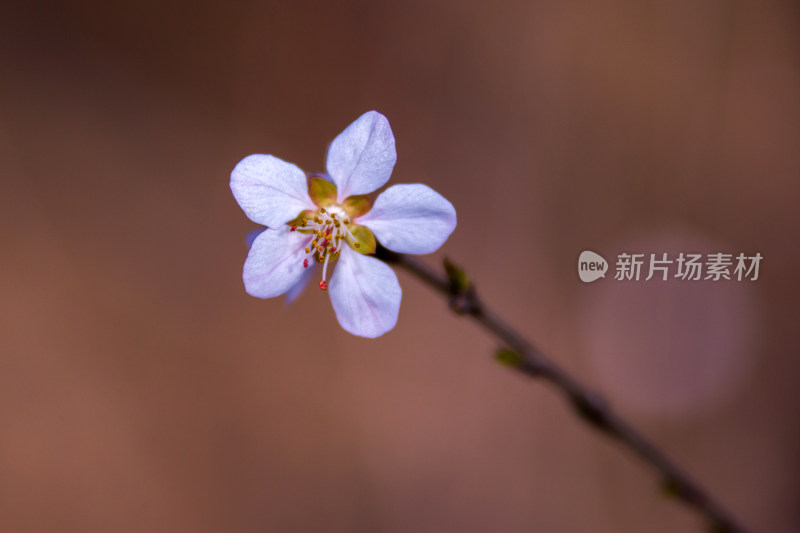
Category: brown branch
[526,358]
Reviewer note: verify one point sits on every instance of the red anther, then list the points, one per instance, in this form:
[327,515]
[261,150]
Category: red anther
[325,243]
[323,285]
[294,227]
[305,263]
[333,249]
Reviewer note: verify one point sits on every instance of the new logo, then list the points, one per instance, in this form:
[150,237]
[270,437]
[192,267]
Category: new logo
[591,266]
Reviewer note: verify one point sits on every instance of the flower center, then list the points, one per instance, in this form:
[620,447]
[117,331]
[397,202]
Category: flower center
[330,227]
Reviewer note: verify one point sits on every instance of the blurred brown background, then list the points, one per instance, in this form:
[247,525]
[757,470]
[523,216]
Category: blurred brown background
[141,389]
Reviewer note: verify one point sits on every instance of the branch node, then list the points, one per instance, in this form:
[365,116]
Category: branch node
[463,298]
[593,409]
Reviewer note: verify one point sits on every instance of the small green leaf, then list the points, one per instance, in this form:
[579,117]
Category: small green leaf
[669,489]
[365,240]
[508,357]
[716,527]
[357,205]
[459,280]
[322,191]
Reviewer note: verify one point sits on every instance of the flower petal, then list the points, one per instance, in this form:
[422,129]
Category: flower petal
[297,288]
[361,158]
[275,262]
[411,219]
[269,190]
[251,236]
[365,294]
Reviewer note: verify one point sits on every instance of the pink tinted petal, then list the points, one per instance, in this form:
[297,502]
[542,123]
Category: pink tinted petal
[275,262]
[297,288]
[361,158]
[269,190]
[365,294]
[410,219]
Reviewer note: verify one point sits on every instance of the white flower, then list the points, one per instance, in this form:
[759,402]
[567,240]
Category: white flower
[328,219]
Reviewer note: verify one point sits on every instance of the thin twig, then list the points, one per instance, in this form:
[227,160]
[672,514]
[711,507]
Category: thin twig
[526,358]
